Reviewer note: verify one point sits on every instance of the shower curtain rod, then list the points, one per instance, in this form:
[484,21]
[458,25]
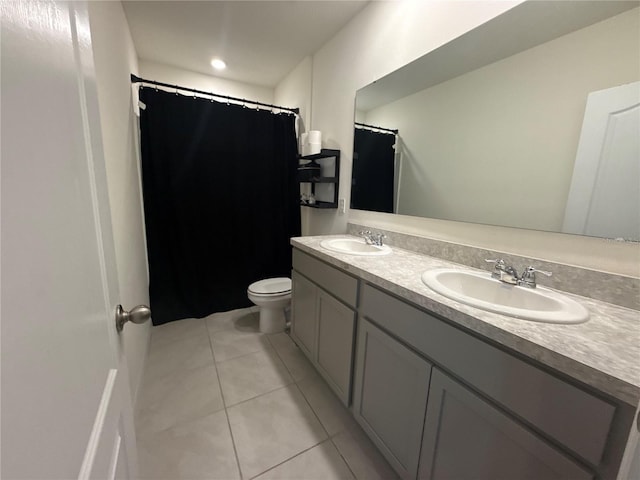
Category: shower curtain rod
[395,132]
[136,79]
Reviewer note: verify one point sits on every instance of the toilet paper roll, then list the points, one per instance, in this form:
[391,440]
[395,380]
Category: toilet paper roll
[313,148]
[315,136]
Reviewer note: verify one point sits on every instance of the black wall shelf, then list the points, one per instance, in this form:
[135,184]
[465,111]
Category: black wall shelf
[320,204]
[325,154]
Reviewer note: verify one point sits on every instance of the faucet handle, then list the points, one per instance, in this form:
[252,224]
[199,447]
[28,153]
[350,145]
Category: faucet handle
[366,234]
[531,269]
[497,261]
[377,238]
[528,278]
[498,269]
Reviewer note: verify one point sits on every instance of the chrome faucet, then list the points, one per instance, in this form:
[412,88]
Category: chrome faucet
[366,234]
[503,272]
[373,238]
[507,274]
[528,278]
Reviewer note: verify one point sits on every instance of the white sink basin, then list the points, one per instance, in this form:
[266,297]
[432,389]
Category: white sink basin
[481,291]
[354,246]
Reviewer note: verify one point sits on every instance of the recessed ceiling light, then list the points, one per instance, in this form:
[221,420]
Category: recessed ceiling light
[218,64]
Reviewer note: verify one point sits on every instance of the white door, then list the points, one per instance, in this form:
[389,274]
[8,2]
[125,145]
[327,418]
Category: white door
[604,198]
[66,408]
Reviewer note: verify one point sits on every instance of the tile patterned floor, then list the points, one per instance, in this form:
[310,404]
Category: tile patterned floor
[219,400]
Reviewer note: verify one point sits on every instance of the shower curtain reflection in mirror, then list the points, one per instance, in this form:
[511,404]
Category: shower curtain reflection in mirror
[373,184]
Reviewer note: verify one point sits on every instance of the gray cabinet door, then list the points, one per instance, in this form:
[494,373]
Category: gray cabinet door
[390,396]
[466,437]
[304,323]
[336,324]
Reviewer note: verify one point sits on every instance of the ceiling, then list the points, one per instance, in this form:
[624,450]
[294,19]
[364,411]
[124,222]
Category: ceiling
[261,41]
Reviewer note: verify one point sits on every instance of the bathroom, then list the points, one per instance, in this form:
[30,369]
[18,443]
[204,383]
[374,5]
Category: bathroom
[377,39]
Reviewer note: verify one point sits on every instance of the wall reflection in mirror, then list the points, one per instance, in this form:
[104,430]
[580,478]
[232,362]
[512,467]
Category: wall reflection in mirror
[531,120]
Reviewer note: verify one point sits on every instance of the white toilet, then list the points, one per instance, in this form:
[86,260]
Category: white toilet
[272,295]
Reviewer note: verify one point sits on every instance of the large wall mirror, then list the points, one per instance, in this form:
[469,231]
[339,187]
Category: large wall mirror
[531,120]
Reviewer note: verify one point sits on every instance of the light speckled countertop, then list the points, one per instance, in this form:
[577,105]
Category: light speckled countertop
[603,352]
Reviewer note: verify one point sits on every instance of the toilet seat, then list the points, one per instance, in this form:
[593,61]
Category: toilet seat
[270,287]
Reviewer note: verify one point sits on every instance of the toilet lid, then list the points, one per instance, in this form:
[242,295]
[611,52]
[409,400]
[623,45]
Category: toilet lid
[271,286]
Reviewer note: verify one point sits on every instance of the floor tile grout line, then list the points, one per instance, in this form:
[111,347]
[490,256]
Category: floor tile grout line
[291,382]
[154,380]
[329,437]
[262,394]
[291,458]
[226,413]
[312,409]
[158,377]
[243,355]
[344,459]
[283,360]
[180,423]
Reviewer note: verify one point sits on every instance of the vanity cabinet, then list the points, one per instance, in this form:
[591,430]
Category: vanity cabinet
[505,417]
[390,397]
[323,319]
[460,424]
[440,401]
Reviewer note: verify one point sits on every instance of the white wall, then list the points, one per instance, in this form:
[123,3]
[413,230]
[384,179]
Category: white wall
[185,78]
[295,91]
[380,39]
[115,59]
[457,134]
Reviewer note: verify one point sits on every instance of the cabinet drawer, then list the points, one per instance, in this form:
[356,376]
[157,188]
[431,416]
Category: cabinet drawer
[572,416]
[337,283]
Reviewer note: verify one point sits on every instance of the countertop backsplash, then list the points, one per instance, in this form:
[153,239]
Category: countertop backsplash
[606,287]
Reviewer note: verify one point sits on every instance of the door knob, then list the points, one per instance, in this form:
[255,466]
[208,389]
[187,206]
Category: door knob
[139,314]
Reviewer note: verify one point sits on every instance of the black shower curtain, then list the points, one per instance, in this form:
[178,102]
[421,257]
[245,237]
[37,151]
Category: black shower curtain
[373,171]
[221,201]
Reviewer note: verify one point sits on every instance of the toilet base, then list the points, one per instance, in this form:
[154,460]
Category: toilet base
[272,320]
